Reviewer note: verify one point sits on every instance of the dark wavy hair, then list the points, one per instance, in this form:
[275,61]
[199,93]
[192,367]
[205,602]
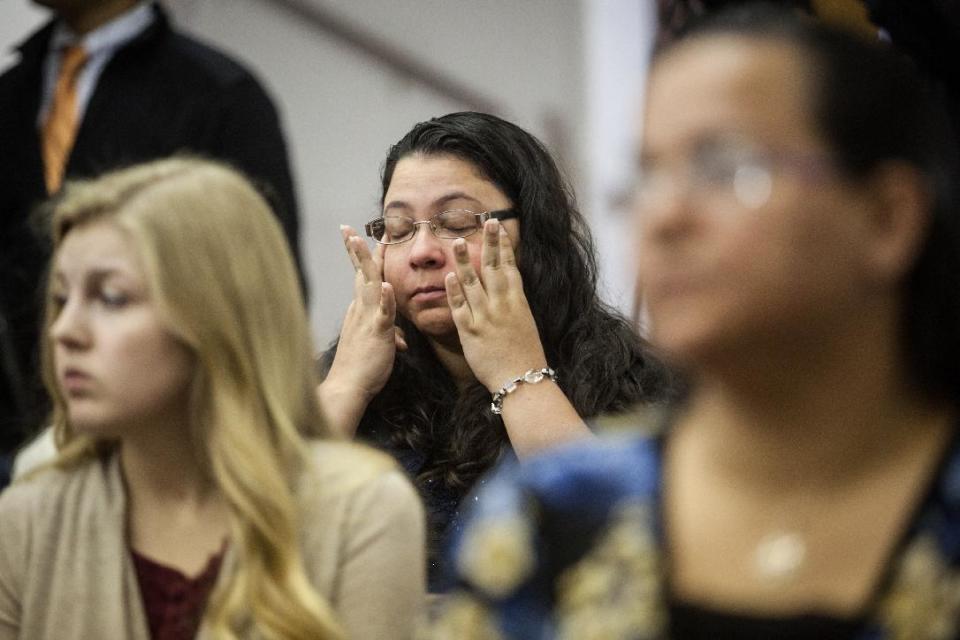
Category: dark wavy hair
[674,16]
[603,365]
[872,106]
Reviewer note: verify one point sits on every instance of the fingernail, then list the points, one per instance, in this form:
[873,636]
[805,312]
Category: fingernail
[343,227]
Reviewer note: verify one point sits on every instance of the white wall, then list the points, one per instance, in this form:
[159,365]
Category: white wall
[18,19]
[619,35]
[342,110]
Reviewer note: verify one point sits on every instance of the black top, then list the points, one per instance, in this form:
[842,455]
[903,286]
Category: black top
[691,622]
[441,502]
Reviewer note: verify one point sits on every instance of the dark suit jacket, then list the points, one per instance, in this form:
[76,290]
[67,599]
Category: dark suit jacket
[160,94]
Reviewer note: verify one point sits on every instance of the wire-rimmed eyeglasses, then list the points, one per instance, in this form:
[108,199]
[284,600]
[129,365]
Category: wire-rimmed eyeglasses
[745,173]
[450,224]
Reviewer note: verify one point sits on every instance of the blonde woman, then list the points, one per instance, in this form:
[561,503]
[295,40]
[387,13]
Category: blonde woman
[194,494]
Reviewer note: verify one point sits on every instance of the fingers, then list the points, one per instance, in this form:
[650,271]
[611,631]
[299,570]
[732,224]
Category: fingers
[378,254]
[360,256]
[375,318]
[490,258]
[388,309]
[468,281]
[399,339]
[496,280]
[371,270]
[465,271]
[464,268]
[376,306]
[507,256]
[388,302]
[366,286]
[347,232]
[459,306]
[348,235]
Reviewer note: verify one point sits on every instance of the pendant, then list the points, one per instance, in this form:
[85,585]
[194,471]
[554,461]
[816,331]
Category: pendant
[779,556]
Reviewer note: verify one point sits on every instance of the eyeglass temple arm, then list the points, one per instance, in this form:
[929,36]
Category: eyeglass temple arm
[505,214]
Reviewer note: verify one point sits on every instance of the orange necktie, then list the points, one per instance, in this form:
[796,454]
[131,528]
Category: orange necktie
[60,128]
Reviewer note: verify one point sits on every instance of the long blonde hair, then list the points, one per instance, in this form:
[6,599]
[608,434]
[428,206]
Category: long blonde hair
[222,277]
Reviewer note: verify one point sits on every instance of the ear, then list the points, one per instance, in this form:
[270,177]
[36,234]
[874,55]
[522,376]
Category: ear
[898,221]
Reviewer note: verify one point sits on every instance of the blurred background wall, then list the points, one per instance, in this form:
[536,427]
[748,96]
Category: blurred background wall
[350,77]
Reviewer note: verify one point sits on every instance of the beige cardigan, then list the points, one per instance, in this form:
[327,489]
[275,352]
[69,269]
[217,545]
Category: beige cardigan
[66,572]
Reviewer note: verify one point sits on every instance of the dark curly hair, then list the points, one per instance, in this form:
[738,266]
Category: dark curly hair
[603,365]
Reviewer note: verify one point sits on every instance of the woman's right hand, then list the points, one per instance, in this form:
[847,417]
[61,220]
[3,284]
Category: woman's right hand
[368,340]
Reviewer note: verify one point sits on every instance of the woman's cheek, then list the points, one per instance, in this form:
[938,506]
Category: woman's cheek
[391,271]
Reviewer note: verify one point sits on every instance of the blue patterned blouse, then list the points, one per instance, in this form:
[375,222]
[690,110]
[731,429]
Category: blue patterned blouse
[570,545]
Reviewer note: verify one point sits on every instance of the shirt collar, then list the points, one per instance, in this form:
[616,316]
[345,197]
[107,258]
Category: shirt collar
[111,35]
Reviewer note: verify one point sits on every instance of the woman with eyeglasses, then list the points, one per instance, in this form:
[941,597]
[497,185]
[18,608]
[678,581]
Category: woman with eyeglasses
[475,326]
[799,247]
[196,492]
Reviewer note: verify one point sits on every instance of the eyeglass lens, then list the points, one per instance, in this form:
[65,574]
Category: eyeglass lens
[710,172]
[719,171]
[455,223]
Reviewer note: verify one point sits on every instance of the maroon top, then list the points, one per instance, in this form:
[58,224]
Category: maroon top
[174,603]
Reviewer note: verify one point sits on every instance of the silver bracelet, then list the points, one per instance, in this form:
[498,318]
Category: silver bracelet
[530,377]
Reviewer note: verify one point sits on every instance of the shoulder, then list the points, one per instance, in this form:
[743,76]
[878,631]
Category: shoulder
[570,493]
[38,488]
[31,53]
[26,507]
[39,504]
[599,470]
[356,501]
[348,472]
[945,500]
[535,521]
[35,454]
[42,489]
[217,64]
[574,487]
[24,498]
[187,55]
[343,460]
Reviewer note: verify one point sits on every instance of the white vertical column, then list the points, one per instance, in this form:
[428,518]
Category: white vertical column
[619,35]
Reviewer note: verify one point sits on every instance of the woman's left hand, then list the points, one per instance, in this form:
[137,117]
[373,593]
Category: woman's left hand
[497,331]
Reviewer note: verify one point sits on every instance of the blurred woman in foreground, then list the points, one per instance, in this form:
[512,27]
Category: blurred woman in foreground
[799,256]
